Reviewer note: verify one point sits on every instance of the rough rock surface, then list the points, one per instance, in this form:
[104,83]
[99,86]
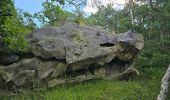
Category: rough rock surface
[70,53]
[7,58]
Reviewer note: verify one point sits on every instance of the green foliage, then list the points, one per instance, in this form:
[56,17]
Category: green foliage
[110,19]
[153,58]
[15,37]
[26,19]
[80,19]
[52,14]
[11,28]
[62,2]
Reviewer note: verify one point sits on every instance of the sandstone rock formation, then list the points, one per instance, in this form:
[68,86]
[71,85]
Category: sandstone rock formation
[70,53]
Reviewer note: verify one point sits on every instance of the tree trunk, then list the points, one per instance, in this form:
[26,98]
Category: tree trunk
[131,12]
[164,85]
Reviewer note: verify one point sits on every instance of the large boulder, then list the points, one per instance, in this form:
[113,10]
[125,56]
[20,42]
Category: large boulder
[75,43]
[72,53]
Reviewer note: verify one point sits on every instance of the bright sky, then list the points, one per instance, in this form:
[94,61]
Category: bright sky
[90,8]
[33,6]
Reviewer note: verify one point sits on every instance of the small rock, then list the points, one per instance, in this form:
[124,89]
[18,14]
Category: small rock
[55,82]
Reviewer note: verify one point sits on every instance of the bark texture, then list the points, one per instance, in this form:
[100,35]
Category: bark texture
[164,85]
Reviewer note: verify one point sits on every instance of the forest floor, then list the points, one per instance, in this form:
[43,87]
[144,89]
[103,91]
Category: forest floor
[144,87]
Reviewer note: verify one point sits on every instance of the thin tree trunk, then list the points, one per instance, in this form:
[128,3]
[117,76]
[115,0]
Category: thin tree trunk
[164,86]
[131,12]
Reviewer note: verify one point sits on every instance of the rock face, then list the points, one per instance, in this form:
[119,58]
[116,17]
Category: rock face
[70,53]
